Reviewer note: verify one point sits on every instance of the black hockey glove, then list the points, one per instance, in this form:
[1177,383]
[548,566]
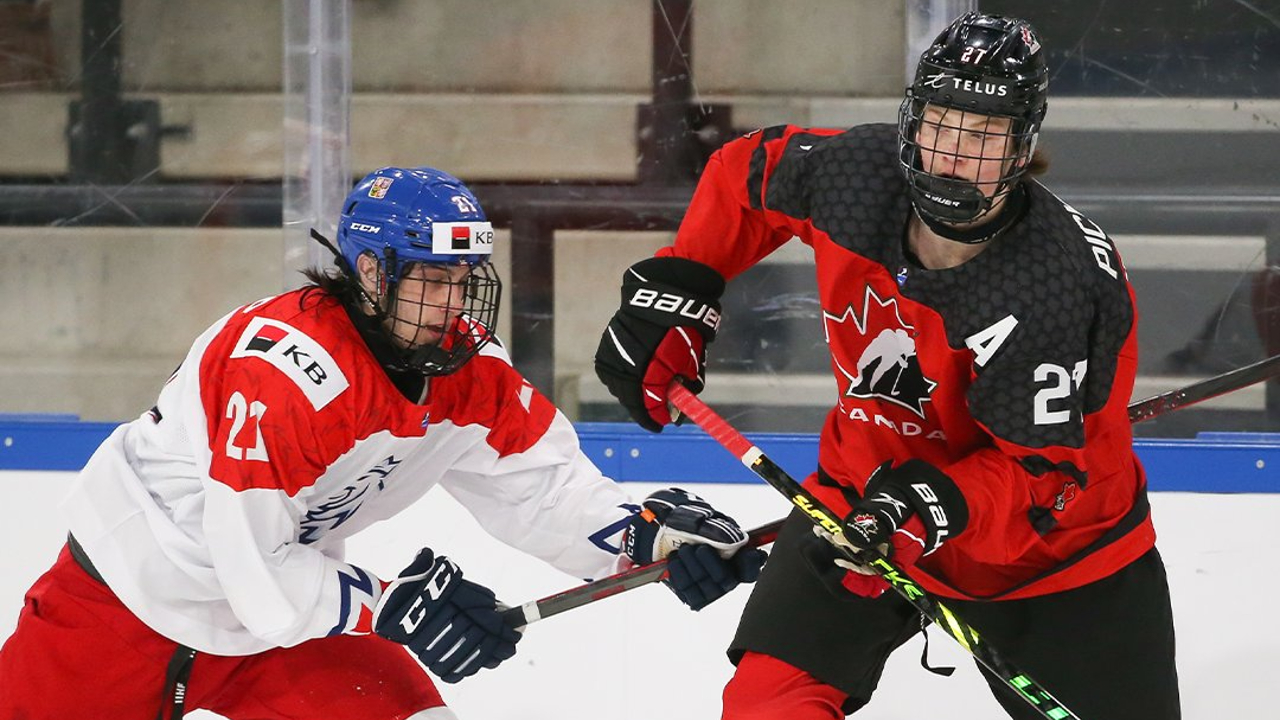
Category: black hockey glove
[704,547]
[453,625]
[908,512]
[670,312]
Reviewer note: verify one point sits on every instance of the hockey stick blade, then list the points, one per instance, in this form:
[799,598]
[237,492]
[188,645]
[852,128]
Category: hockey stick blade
[584,594]
[1205,389]
[755,460]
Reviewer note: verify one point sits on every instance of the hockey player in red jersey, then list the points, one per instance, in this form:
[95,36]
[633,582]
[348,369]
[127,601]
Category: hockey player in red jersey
[982,339]
[205,564]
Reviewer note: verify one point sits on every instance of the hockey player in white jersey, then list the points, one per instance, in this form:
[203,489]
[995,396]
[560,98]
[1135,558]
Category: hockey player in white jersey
[205,564]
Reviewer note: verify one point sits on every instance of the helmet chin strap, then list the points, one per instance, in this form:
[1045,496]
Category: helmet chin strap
[428,356]
[380,316]
[949,199]
[1006,216]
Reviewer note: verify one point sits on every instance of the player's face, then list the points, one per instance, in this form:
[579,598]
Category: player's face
[965,146]
[428,301]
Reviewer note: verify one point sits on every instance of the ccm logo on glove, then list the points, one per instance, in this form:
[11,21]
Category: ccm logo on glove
[434,586]
[454,626]
[705,548]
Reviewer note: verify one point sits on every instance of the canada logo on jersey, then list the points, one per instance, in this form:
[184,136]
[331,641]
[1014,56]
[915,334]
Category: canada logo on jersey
[886,366]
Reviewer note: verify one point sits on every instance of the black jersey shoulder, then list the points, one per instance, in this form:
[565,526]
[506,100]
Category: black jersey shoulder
[1052,270]
[1075,250]
[1052,273]
[1100,277]
[849,185]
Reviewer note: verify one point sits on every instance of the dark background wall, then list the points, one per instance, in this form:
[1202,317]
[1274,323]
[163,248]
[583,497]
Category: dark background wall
[1186,48]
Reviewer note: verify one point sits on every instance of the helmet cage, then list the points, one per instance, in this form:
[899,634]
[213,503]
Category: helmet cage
[985,65]
[436,317]
[951,199]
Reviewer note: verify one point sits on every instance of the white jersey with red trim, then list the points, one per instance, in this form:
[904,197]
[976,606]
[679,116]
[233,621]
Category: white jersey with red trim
[219,517]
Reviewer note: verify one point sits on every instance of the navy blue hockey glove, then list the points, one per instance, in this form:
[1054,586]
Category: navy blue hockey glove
[670,312]
[453,625]
[704,548]
[907,512]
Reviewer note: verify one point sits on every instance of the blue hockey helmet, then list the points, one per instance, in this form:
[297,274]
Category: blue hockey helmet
[424,228]
[422,214]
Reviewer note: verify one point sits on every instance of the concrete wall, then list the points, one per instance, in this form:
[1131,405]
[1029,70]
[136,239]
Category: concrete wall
[850,47]
[491,89]
[97,318]
[487,89]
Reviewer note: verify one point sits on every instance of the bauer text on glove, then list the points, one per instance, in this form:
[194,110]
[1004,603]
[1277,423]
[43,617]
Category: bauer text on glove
[670,312]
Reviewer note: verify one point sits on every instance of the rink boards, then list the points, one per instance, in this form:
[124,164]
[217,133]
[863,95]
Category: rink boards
[1212,462]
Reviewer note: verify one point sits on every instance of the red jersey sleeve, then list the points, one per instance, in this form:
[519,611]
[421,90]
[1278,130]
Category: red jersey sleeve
[732,222]
[270,398]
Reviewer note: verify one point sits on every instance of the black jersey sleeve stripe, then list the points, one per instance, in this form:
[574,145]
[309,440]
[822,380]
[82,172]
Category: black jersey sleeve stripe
[759,159]
[789,184]
[1039,466]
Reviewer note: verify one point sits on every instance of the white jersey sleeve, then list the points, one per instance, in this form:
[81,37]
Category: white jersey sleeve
[529,484]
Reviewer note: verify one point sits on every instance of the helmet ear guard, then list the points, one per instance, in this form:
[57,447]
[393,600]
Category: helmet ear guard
[985,65]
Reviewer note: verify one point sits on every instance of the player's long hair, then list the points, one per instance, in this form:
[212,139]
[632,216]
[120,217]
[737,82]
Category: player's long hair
[321,281]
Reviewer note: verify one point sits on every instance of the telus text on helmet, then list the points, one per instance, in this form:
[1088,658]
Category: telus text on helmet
[942,80]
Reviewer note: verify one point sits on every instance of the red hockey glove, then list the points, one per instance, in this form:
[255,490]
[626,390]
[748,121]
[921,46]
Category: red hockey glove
[670,311]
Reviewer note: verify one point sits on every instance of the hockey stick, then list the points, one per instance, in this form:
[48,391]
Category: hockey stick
[536,610]
[636,577]
[1205,389]
[930,607]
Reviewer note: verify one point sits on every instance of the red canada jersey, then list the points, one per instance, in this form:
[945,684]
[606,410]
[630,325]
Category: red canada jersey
[1010,372]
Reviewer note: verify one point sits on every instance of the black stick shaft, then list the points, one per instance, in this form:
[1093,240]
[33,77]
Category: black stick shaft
[751,456]
[1205,389]
[536,610]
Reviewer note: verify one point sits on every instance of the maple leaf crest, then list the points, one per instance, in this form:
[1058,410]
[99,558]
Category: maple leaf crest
[886,366]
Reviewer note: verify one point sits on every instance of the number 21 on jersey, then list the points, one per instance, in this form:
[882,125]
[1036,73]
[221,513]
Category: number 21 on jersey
[241,412]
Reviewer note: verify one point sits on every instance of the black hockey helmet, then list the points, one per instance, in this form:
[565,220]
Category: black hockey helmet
[984,64]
